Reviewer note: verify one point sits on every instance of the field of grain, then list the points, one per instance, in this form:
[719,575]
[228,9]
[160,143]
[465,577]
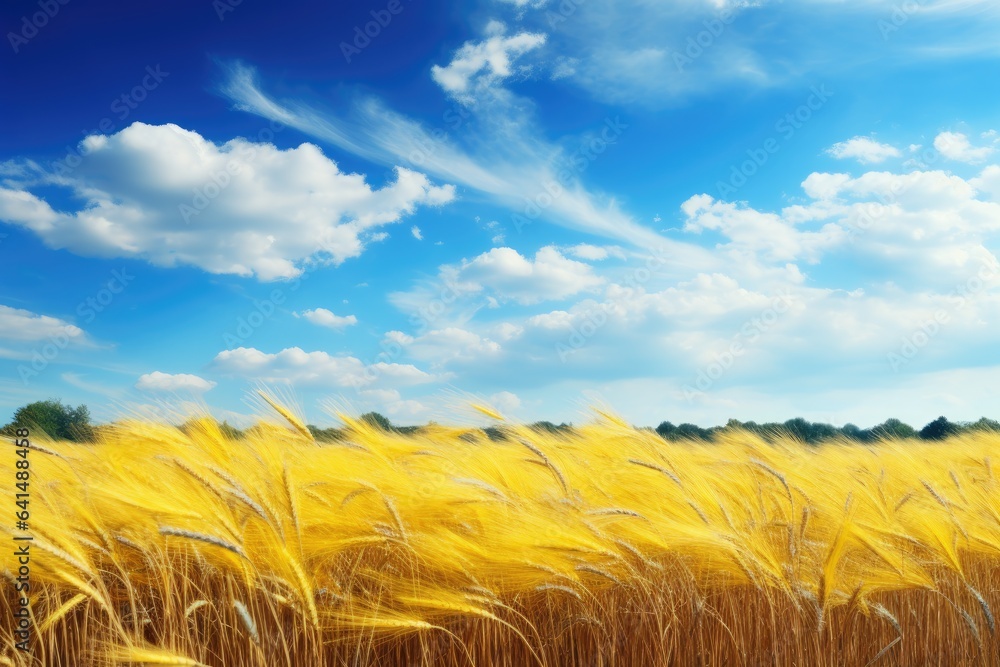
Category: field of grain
[605,545]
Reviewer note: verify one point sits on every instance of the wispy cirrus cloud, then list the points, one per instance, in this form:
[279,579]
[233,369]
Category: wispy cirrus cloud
[505,156]
[655,54]
[18,324]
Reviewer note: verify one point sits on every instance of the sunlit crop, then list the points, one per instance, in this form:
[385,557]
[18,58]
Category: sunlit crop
[604,545]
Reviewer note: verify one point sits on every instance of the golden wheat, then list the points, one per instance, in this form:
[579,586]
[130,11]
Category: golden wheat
[602,545]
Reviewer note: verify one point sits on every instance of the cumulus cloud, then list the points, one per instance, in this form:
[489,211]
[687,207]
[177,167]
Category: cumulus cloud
[864,149]
[956,146]
[325,318]
[480,65]
[317,369]
[926,239]
[988,182]
[417,234]
[23,325]
[550,275]
[935,190]
[169,196]
[772,236]
[165,382]
[923,229]
[499,275]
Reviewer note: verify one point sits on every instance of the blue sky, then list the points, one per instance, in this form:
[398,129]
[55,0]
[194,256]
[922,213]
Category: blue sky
[688,211]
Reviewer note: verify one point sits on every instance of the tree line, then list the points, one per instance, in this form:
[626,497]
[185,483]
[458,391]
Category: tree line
[817,432]
[64,422]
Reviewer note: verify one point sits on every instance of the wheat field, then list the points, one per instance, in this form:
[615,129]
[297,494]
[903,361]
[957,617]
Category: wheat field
[604,545]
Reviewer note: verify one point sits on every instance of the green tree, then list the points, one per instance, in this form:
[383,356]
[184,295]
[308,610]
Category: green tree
[821,432]
[854,433]
[692,432]
[550,427]
[377,420]
[494,433]
[985,424]
[799,428]
[325,434]
[666,430]
[58,421]
[892,428]
[939,429]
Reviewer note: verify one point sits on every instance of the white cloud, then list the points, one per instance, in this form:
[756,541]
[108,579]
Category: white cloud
[525,3]
[318,369]
[549,276]
[80,382]
[564,68]
[391,403]
[171,197]
[988,182]
[924,229]
[786,331]
[505,401]
[416,233]
[501,274]
[961,394]
[595,253]
[655,53]
[935,190]
[507,331]
[922,236]
[824,186]
[502,155]
[380,395]
[864,149]
[24,325]
[325,318]
[956,146]
[481,65]
[772,236]
[165,382]
[443,346]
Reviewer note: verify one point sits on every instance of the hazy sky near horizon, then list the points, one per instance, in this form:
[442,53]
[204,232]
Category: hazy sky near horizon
[684,210]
